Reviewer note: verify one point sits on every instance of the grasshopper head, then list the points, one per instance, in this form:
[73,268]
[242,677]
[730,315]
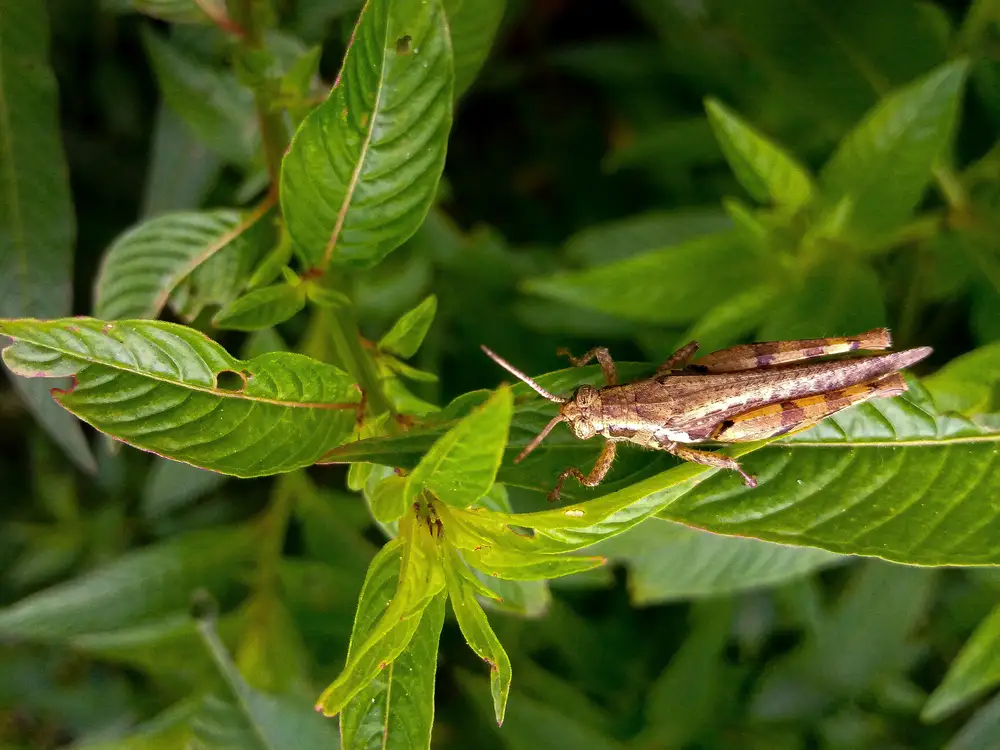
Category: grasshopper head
[578,411]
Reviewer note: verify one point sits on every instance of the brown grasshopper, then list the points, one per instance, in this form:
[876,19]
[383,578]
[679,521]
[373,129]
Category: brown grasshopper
[735,395]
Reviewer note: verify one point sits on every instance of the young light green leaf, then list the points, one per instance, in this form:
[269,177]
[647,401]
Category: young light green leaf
[262,308]
[473,25]
[37,225]
[461,466]
[767,171]
[271,722]
[662,286]
[137,587]
[364,166]
[885,163]
[397,708]
[975,670]
[481,638]
[407,333]
[146,264]
[388,502]
[186,397]
[420,581]
[670,562]
[217,108]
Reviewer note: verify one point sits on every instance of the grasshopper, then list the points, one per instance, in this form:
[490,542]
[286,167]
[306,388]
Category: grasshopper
[740,394]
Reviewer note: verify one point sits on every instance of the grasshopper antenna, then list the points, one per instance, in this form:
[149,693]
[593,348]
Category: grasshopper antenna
[539,437]
[528,381]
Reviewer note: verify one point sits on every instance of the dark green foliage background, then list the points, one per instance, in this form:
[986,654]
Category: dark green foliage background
[584,140]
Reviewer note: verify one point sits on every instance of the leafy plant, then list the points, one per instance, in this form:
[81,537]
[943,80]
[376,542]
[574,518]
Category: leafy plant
[303,294]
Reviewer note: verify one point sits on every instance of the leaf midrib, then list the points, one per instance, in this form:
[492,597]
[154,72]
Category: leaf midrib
[363,154]
[237,364]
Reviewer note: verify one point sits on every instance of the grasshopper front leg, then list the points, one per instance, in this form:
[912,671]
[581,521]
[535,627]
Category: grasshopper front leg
[770,353]
[707,458]
[596,475]
[603,357]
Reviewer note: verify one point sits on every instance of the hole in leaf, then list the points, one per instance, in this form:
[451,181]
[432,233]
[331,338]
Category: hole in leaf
[227,380]
[403,45]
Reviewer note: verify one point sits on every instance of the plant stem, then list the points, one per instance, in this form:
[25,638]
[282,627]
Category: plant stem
[347,342]
[253,17]
[274,526]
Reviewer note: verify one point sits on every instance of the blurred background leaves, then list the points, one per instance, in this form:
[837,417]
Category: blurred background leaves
[589,197]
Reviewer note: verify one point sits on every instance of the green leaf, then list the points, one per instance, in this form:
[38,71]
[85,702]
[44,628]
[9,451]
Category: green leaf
[37,226]
[892,478]
[838,296]
[866,481]
[616,240]
[462,464]
[975,670]
[473,25]
[480,637]
[388,501]
[171,390]
[982,730]
[396,710]
[407,333]
[766,170]
[538,723]
[172,11]
[168,648]
[211,102]
[968,384]
[181,170]
[364,166]
[170,485]
[665,286]
[135,588]
[147,264]
[684,699]
[420,581]
[670,562]
[869,633]
[268,721]
[734,318]
[262,308]
[166,731]
[885,163]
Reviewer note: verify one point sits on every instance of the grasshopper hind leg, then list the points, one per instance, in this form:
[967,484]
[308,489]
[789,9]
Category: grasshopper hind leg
[679,359]
[798,414]
[707,458]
